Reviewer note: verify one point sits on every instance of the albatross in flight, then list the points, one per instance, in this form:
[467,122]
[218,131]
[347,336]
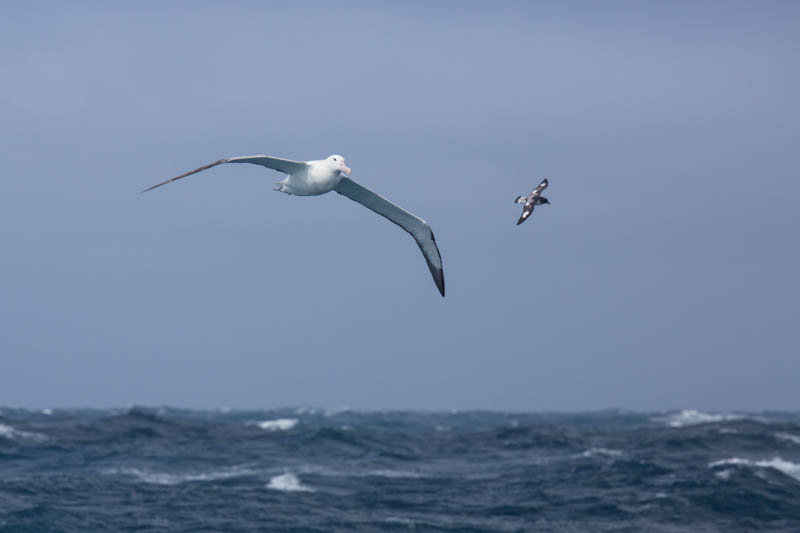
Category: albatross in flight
[532,200]
[312,178]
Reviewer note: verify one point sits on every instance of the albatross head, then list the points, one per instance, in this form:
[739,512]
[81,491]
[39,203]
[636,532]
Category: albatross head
[337,163]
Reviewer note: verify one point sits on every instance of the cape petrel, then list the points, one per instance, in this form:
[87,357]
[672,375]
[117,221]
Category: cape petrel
[532,200]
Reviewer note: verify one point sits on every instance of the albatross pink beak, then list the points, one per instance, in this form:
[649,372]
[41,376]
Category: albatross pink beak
[345,169]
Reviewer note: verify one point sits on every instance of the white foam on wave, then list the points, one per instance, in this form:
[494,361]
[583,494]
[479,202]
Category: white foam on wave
[47,412]
[165,478]
[789,437]
[288,483]
[376,472]
[602,451]
[280,424]
[724,475]
[689,417]
[787,467]
[337,410]
[396,474]
[400,521]
[11,433]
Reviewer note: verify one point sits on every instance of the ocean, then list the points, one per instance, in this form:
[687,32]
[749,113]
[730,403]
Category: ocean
[305,469]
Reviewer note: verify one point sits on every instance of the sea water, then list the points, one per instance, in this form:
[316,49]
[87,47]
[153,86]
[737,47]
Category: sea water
[306,469]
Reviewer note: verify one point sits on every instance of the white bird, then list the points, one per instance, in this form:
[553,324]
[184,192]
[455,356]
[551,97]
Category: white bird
[311,178]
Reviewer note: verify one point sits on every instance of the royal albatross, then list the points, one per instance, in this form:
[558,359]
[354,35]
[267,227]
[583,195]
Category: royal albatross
[312,178]
[532,200]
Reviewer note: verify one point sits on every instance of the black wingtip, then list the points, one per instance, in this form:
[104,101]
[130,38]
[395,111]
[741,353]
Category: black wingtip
[440,281]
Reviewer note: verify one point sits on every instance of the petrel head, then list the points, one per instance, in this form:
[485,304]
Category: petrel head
[543,200]
[337,163]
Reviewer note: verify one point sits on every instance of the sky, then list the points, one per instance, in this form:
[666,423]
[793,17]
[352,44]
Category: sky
[663,275]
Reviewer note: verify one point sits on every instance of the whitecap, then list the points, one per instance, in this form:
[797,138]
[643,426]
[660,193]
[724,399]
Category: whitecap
[724,474]
[394,474]
[787,467]
[280,424]
[165,478]
[288,483]
[47,412]
[689,417]
[789,437]
[601,451]
[337,410]
[401,521]
[11,433]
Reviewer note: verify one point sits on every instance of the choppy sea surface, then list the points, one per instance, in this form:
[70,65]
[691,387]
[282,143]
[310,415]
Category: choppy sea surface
[305,469]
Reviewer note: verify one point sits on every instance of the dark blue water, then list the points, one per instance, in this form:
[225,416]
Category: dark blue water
[311,470]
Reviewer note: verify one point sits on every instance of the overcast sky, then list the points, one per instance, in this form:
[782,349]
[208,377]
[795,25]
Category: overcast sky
[663,275]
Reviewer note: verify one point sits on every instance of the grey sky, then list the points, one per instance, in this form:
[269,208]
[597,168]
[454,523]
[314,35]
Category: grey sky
[664,274]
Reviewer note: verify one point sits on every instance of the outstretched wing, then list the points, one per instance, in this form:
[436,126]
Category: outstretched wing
[526,212]
[520,199]
[418,228]
[287,166]
[539,188]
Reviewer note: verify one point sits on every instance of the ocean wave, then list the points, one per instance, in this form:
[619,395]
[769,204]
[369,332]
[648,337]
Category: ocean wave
[394,474]
[279,424]
[591,452]
[398,520]
[337,410]
[165,478]
[724,475]
[11,433]
[787,467]
[789,437]
[288,483]
[690,417]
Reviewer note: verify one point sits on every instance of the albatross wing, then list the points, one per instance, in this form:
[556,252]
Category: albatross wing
[287,166]
[418,228]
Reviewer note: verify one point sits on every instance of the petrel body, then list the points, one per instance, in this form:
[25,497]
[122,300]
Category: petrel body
[312,178]
[532,200]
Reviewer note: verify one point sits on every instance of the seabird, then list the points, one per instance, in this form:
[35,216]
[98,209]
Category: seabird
[312,178]
[532,200]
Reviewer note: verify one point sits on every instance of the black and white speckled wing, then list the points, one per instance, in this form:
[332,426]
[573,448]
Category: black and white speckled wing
[526,212]
[539,189]
[287,166]
[418,228]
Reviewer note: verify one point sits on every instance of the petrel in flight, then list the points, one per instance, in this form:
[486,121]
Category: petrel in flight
[532,200]
[312,178]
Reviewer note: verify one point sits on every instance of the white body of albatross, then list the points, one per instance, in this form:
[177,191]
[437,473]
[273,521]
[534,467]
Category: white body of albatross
[312,178]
